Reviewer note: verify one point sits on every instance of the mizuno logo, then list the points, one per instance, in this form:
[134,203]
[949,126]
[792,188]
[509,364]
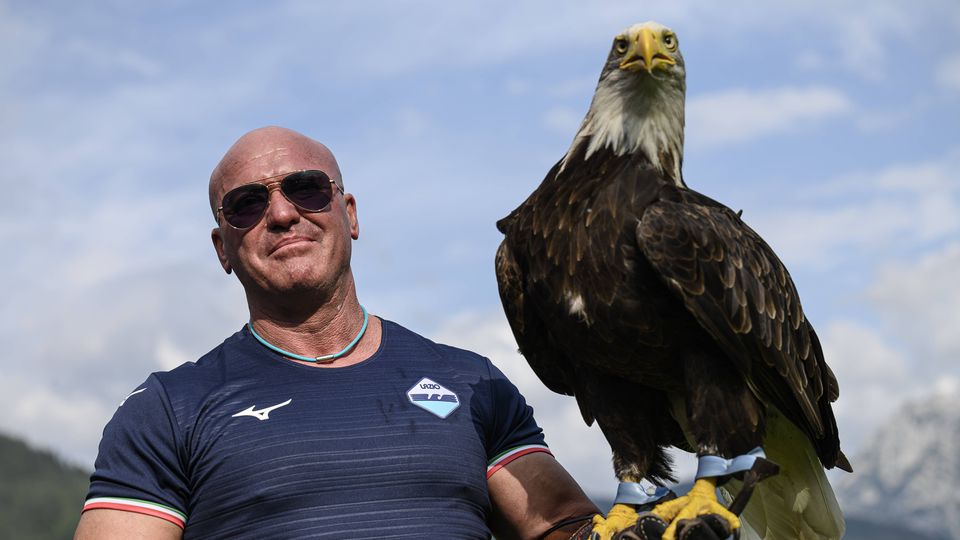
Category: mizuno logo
[261,414]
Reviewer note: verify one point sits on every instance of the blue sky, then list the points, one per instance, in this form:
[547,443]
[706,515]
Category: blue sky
[831,124]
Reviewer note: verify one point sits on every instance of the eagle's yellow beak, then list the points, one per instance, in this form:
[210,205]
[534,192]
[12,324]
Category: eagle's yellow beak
[646,51]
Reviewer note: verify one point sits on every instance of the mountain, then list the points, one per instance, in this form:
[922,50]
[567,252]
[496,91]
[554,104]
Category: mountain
[40,496]
[909,471]
[865,529]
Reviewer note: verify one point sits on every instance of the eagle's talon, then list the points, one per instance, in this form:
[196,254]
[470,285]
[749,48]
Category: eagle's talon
[701,500]
[620,517]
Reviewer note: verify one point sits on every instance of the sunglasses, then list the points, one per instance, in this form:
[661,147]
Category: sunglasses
[244,207]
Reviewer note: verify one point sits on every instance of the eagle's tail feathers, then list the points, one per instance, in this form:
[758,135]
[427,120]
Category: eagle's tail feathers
[799,503]
[843,463]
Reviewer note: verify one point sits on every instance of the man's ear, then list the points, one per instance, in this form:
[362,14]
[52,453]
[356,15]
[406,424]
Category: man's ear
[221,253]
[351,203]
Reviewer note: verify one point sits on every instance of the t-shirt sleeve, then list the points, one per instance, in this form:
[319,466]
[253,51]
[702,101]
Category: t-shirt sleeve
[138,468]
[513,432]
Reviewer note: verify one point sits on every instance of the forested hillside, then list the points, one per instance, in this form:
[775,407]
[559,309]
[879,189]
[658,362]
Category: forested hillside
[40,496]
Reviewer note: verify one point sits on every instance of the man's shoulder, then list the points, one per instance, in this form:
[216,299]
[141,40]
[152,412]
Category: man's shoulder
[402,337]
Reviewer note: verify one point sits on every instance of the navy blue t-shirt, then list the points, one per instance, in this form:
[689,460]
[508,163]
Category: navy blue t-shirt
[247,444]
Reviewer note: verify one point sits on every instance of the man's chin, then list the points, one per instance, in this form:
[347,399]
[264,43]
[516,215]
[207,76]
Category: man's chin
[298,287]
[298,281]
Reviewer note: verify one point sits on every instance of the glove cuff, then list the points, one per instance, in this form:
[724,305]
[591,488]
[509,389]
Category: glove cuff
[716,466]
[567,525]
[584,532]
[636,494]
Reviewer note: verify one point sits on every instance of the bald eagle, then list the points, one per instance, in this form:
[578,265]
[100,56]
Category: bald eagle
[669,319]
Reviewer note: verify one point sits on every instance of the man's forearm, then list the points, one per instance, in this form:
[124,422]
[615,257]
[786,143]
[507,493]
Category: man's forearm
[532,495]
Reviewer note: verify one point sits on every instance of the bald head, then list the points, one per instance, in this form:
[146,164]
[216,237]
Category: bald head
[266,152]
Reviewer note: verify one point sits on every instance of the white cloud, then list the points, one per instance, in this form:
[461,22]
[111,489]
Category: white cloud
[168,354]
[740,115]
[947,385]
[823,237]
[80,350]
[881,213]
[856,36]
[862,51]
[874,377]
[930,177]
[496,33]
[919,299]
[860,38]
[68,423]
[859,354]
[948,72]
[910,353]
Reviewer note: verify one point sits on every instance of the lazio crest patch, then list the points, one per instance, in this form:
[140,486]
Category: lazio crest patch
[433,397]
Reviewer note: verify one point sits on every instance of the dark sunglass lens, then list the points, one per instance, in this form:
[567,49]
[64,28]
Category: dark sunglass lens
[243,207]
[309,190]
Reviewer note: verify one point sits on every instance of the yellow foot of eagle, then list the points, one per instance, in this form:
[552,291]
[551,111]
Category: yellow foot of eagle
[620,517]
[702,499]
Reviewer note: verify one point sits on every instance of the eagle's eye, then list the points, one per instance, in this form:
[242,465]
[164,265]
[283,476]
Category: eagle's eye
[620,45]
[670,41]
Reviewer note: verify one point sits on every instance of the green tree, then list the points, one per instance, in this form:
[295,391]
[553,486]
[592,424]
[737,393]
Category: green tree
[40,496]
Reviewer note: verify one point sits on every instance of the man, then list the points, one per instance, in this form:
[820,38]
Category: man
[317,419]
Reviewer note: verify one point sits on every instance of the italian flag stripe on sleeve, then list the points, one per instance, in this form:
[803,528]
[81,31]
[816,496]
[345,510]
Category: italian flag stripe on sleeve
[503,458]
[139,506]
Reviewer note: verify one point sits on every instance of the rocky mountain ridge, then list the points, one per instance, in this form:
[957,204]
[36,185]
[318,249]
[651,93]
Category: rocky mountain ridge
[908,473]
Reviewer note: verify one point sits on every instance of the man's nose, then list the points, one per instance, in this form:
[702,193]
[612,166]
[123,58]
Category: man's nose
[280,212]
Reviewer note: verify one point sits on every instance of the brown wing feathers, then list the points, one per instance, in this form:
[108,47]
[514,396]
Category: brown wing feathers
[741,293]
